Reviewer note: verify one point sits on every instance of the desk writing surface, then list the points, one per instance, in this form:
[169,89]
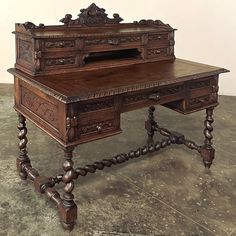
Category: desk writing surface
[104,82]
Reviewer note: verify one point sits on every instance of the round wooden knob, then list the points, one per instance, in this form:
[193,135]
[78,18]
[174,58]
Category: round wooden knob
[99,128]
[155,97]
[62,44]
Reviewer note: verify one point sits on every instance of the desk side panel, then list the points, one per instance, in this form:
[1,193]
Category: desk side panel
[43,110]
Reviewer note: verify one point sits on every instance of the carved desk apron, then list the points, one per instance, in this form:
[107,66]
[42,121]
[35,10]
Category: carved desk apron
[74,80]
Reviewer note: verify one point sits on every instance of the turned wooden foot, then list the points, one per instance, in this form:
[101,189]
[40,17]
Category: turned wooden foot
[22,161]
[68,216]
[207,151]
[68,208]
[150,123]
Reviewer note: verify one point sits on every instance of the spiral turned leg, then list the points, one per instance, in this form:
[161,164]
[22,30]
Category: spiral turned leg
[22,160]
[68,208]
[207,151]
[150,123]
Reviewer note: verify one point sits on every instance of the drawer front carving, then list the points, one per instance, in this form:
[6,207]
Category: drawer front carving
[59,44]
[200,84]
[96,119]
[152,95]
[209,82]
[157,52]
[201,101]
[25,51]
[158,38]
[114,41]
[199,95]
[60,61]
[41,107]
[159,96]
[98,105]
[202,93]
[97,127]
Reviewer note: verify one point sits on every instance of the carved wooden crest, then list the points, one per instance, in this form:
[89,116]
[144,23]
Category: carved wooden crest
[93,15]
[29,25]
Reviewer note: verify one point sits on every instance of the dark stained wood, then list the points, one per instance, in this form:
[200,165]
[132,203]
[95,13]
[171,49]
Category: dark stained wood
[150,123]
[23,158]
[207,151]
[74,80]
[80,107]
[91,41]
[69,209]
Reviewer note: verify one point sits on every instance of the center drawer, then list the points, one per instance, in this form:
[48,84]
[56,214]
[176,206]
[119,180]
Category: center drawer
[112,42]
[152,97]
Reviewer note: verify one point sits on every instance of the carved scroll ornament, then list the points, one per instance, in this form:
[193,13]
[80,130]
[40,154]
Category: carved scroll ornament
[93,15]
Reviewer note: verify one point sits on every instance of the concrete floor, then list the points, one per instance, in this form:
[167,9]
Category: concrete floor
[166,193]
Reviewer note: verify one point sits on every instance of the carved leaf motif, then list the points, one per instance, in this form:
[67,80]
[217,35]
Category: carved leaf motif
[154,51]
[93,15]
[136,98]
[154,23]
[144,96]
[29,25]
[157,37]
[199,100]
[39,106]
[200,84]
[97,105]
[60,44]
[60,61]
[111,41]
[25,50]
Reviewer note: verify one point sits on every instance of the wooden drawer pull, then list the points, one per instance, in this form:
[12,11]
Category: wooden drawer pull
[155,97]
[215,88]
[62,44]
[113,41]
[99,128]
[202,100]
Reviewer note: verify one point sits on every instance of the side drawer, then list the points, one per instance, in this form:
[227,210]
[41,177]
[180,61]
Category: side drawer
[59,45]
[160,38]
[97,119]
[160,52]
[202,93]
[65,60]
[98,124]
[199,95]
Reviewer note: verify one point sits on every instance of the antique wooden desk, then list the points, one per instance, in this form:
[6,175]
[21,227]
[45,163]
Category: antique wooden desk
[75,107]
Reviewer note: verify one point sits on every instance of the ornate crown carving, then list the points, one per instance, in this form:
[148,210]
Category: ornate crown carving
[29,25]
[93,15]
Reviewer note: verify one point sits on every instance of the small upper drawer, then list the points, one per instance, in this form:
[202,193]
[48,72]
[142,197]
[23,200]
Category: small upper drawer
[160,53]
[59,45]
[112,42]
[158,38]
[50,63]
